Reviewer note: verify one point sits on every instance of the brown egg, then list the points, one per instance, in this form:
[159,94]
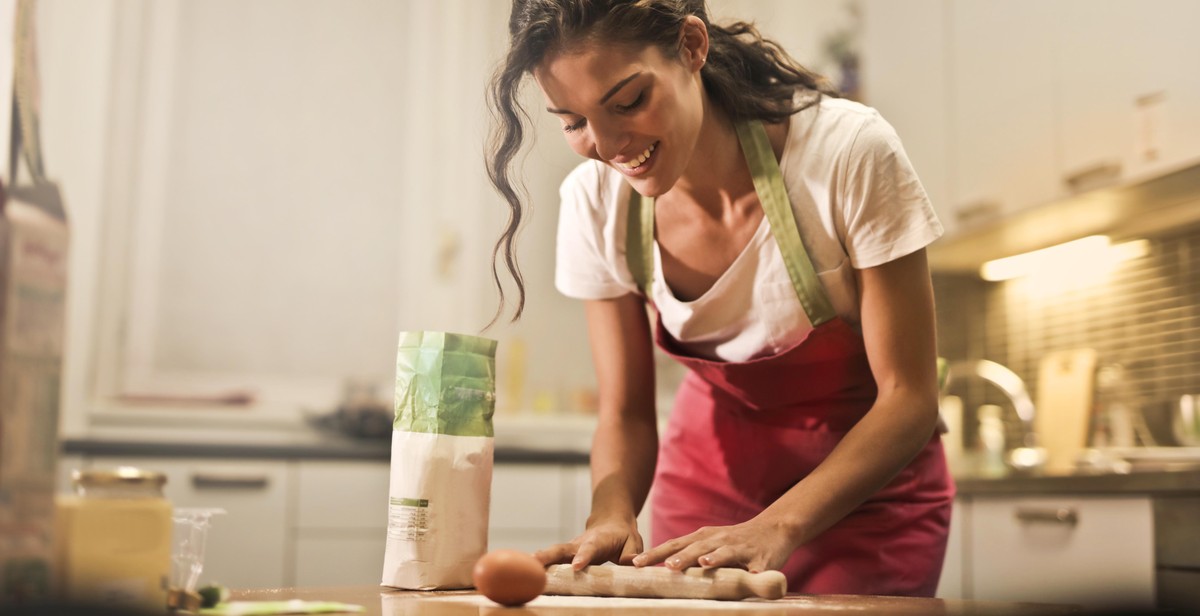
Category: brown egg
[509,577]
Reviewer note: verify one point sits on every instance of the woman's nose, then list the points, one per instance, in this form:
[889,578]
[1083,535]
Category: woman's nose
[609,140]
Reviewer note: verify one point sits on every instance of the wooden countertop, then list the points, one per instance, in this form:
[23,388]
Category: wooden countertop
[380,601]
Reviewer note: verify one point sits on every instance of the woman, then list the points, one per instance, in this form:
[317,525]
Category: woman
[779,233]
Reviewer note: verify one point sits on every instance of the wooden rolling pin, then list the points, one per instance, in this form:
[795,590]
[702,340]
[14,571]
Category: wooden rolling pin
[664,583]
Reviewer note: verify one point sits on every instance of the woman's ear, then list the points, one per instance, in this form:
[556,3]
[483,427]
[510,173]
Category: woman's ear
[693,44]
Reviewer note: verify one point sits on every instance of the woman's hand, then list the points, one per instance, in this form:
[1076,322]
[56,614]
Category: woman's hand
[610,540]
[756,545]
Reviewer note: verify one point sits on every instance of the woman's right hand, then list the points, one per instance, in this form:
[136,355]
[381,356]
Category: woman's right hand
[608,540]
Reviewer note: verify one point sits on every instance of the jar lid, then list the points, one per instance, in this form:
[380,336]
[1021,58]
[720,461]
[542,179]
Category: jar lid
[128,476]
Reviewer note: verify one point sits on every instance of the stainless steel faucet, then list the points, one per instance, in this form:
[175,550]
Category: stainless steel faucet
[1029,456]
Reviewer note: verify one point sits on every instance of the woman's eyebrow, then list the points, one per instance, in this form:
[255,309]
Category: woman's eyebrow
[603,99]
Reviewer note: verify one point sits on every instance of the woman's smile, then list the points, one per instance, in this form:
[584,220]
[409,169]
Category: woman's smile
[639,164]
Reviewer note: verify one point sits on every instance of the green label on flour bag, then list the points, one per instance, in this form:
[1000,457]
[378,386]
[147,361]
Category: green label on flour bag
[445,384]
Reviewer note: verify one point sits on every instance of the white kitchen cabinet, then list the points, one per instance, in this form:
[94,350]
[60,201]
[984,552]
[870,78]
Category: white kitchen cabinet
[582,474]
[1127,106]
[1002,122]
[341,522]
[896,37]
[1097,91]
[1096,551]
[1166,32]
[531,506]
[247,546]
[951,583]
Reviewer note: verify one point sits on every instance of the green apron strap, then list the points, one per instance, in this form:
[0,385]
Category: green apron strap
[639,240]
[768,183]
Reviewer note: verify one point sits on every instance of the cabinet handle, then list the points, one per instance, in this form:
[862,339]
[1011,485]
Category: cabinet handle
[1093,176]
[1051,515]
[203,481]
[976,210]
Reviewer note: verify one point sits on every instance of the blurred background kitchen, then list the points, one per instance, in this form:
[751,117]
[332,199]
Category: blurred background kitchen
[263,194]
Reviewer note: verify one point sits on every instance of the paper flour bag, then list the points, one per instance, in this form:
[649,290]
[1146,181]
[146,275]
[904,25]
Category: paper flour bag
[441,474]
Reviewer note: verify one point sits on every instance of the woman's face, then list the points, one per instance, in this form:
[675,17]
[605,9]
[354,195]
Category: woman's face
[633,108]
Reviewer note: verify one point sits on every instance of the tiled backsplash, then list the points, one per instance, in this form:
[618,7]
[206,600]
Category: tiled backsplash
[1145,316]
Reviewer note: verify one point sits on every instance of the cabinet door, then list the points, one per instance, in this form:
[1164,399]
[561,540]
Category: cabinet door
[1002,126]
[1167,31]
[1085,550]
[245,547]
[950,585]
[905,76]
[341,522]
[576,522]
[530,503]
[1129,107]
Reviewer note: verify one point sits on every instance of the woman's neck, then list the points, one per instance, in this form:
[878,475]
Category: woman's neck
[717,174]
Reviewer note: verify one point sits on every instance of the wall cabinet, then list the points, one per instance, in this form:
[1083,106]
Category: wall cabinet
[1002,107]
[1128,107]
[914,102]
[1020,103]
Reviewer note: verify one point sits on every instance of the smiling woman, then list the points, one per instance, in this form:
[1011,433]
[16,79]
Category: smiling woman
[778,232]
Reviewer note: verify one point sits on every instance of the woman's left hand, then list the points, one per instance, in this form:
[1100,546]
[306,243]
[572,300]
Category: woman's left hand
[756,545]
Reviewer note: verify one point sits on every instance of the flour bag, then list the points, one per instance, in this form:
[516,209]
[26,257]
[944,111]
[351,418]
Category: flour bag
[441,473]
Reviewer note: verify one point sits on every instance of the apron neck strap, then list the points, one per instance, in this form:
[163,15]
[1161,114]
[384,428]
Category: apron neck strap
[772,193]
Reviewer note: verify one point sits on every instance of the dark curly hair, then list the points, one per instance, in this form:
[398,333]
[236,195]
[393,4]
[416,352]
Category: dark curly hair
[746,76]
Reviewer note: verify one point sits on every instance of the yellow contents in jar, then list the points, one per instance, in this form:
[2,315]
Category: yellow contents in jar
[115,539]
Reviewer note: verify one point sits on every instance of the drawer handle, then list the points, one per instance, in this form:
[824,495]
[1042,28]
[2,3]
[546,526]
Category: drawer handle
[983,209]
[1093,176]
[237,482]
[1059,515]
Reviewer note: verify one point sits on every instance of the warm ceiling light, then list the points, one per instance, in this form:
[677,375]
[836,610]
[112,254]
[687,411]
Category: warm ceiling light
[1093,253]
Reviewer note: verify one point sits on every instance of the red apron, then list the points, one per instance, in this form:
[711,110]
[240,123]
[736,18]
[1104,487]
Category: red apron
[743,433]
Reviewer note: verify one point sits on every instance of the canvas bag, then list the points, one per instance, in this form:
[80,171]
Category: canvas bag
[442,454]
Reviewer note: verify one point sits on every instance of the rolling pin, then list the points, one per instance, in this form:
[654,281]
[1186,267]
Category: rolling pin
[663,583]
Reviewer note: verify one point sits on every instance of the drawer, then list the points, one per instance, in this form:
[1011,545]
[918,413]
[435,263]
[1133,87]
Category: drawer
[339,558]
[1177,531]
[528,497]
[1084,550]
[255,496]
[342,495]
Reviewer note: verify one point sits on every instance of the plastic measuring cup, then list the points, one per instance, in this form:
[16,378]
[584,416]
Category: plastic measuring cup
[187,547]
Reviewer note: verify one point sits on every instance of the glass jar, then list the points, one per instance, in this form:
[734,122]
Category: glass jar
[115,534]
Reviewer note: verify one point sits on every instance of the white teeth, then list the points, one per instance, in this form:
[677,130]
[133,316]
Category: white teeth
[640,159]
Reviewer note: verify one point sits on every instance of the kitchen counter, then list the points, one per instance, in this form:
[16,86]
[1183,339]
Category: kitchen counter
[1138,482]
[518,439]
[379,601]
[548,440]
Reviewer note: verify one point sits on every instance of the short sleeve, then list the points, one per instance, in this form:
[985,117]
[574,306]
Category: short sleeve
[887,214]
[586,265]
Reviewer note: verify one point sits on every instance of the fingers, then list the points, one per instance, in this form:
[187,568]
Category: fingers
[556,554]
[707,548]
[723,556]
[633,547]
[583,558]
[663,551]
[690,555]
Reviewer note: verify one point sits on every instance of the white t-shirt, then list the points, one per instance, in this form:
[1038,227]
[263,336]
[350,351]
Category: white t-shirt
[858,204]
